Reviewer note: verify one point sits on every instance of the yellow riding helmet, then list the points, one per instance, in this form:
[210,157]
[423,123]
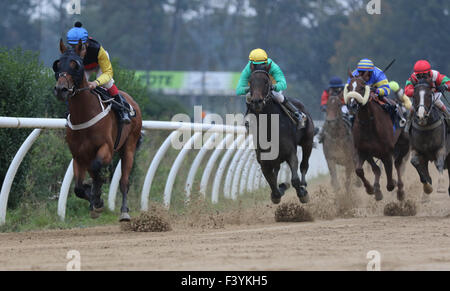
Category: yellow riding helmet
[258,56]
[394,86]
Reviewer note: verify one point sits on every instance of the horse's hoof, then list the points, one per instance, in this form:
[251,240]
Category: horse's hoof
[284,187]
[370,190]
[427,188]
[392,186]
[378,195]
[401,195]
[276,200]
[124,217]
[303,195]
[304,199]
[95,214]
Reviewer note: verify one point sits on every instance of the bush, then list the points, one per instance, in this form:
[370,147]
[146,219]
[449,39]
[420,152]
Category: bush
[25,91]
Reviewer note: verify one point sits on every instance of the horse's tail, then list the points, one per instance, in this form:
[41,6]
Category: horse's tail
[140,140]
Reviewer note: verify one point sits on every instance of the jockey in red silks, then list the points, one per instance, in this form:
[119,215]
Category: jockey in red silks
[440,83]
[96,60]
[335,87]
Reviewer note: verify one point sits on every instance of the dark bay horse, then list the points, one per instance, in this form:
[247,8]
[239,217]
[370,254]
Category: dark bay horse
[374,137]
[338,142]
[429,137]
[93,130]
[262,106]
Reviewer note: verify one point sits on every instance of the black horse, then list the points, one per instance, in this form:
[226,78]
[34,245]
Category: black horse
[262,106]
[429,137]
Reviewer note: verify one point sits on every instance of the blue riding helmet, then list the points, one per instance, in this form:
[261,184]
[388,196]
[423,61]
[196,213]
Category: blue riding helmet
[76,33]
[336,82]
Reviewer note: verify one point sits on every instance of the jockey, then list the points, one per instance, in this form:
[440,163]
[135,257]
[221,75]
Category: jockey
[380,88]
[440,83]
[259,57]
[96,60]
[399,95]
[335,87]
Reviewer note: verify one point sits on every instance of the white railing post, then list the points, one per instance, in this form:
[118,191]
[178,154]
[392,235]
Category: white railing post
[12,170]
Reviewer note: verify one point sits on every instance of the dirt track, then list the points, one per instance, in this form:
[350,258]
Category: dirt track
[253,241]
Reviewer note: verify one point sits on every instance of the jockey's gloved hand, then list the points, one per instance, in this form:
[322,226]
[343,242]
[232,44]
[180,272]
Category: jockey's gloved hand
[442,88]
[272,88]
[323,108]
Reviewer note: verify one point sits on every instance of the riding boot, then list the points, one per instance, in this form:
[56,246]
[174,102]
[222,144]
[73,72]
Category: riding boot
[123,110]
[300,116]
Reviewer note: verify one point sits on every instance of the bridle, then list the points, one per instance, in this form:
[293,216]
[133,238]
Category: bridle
[77,76]
[433,102]
[268,96]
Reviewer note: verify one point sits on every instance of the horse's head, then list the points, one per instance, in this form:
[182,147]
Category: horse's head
[260,87]
[334,105]
[423,103]
[69,71]
[357,93]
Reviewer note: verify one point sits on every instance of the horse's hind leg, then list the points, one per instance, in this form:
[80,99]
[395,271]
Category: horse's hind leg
[293,164]
[271,176]
[333,174]
[440,165]
[377,172]
[127,165]
[359,163]
[400,162]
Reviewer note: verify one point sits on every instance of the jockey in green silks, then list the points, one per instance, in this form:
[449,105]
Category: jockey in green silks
[260,57]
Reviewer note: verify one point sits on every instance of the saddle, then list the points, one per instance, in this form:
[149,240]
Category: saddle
[116,107]
[108,99]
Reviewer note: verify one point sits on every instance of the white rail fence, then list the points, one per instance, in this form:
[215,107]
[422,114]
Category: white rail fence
[238,163]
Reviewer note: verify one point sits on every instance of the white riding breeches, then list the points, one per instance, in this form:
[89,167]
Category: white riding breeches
[344,109]
[278,96]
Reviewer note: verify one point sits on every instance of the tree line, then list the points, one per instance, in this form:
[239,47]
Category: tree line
[310,40]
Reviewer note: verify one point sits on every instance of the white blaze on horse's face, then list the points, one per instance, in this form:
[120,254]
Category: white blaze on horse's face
[355,84]
[421,111]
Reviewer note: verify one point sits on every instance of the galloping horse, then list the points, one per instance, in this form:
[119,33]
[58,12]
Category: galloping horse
[374,137]
[429,137]
[338,142]
[262,105]
[92,131]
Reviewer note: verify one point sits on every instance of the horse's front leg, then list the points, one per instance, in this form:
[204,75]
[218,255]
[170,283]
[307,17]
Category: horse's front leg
[377,172]
[388,167]
[293,165]
[271,175]
[82,191]
[359,163]
[421,165]
[103,158]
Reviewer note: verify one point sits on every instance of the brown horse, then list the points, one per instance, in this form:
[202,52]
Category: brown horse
[374,137]
[93,130]
[338,142]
